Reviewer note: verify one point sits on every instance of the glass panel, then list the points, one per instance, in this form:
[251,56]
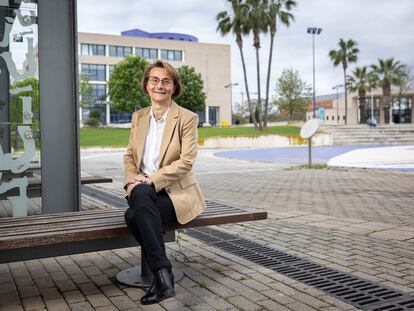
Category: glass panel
[153,54]
[178,55]
[112,50]
[127,51]
[170,55]
[84,49]
[19,111]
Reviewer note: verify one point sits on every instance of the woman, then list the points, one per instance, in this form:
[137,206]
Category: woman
[159,182]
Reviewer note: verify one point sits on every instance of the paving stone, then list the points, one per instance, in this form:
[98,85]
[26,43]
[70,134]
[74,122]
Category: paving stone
[50,293]
[80,278]
[98,300]
[202,307]
[89,288]
[108,308]
[28,291]
[59,276]
[44,282]
[57,305]
[273,305]
[74,296]
[11,302]
[33,303]
[123,302]
[134,293]
[243,304]
[174,305]
[65,285]
[217,302]
[82,306]
[101,280]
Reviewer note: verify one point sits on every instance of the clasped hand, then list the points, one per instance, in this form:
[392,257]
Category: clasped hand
[138,179]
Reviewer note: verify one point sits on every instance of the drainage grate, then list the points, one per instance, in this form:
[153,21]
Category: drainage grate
[346,287]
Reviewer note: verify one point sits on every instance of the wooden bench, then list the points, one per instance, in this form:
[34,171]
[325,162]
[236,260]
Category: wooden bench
[52,235]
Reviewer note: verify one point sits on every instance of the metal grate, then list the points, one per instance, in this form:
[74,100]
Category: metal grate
[346,287]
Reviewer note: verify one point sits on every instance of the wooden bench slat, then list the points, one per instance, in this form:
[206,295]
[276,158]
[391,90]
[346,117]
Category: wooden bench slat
[114,229]
[80,222]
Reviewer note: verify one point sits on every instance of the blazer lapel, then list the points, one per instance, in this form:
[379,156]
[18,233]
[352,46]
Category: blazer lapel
[141,133]
[170,124]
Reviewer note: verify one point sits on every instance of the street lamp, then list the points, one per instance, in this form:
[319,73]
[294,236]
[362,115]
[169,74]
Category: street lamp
[230,86]
[314,31]
[336,87]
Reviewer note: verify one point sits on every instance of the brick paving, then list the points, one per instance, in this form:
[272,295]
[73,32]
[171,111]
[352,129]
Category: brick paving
[357,221]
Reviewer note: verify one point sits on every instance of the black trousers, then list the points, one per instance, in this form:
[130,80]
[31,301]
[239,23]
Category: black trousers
[148,212]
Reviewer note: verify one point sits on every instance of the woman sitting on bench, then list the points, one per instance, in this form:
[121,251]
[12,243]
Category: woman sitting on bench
[161,187]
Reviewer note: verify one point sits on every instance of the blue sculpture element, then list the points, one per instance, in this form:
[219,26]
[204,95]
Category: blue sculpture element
[159,35]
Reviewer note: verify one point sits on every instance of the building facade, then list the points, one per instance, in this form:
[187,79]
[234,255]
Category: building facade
[331,108]
[98,53]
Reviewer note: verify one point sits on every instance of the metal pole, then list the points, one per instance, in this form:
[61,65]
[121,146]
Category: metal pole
[310,151]
[337,105]
[372,104]
[313,55]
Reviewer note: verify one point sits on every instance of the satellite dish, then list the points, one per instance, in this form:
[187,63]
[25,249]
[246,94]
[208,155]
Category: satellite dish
[309,128]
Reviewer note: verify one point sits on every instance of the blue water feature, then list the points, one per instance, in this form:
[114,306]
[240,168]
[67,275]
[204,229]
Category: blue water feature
[290,156]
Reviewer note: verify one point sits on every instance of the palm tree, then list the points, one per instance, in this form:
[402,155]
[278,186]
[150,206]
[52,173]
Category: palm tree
[257,23]
[235,21]
[277,11]
[346,54]
[388,73]
[359,82]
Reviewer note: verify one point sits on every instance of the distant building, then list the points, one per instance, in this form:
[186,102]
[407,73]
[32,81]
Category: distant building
[100,52]
[331,109]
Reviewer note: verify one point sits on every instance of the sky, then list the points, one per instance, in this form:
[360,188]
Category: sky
[382,29]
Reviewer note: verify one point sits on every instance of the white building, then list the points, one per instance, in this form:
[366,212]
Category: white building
[100,52]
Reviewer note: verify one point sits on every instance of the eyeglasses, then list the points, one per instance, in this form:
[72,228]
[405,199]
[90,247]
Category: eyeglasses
[154,81]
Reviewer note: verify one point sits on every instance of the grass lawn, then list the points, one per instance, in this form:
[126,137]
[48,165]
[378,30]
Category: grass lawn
[118,137]
[206,132]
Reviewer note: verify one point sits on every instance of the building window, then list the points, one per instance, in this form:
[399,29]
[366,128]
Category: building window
[146,53]
[111,68]
[94,72]
[92,49]
[120,51]
[172,55]
[98,93]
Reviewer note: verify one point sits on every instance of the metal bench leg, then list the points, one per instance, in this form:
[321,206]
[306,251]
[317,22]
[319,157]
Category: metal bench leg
[142,276]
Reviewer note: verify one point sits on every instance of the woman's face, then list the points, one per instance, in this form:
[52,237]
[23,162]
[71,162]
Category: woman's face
[160,86]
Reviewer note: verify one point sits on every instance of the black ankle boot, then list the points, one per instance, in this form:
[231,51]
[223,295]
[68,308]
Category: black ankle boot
[161,288]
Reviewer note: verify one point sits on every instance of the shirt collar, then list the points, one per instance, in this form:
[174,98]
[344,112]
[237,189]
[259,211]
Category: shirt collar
[163,118]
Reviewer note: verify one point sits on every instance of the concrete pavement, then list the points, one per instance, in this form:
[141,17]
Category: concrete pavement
[357,221]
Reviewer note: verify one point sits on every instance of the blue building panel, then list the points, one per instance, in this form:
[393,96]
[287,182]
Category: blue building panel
[159,35]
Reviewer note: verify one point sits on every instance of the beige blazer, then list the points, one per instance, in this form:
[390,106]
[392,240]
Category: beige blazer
[177,155]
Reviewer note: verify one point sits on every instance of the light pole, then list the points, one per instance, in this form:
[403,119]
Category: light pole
[314,31]
[336,87]
[230,86]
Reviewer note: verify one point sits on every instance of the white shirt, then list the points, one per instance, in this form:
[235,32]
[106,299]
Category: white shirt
[152,146]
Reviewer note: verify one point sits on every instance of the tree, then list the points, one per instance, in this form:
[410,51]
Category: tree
[388,72]
[85,91]
[125,85]
[278,11]
[292,93]
[359,81]
[193,97]
[236,21]
[346,54]
[257,23]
